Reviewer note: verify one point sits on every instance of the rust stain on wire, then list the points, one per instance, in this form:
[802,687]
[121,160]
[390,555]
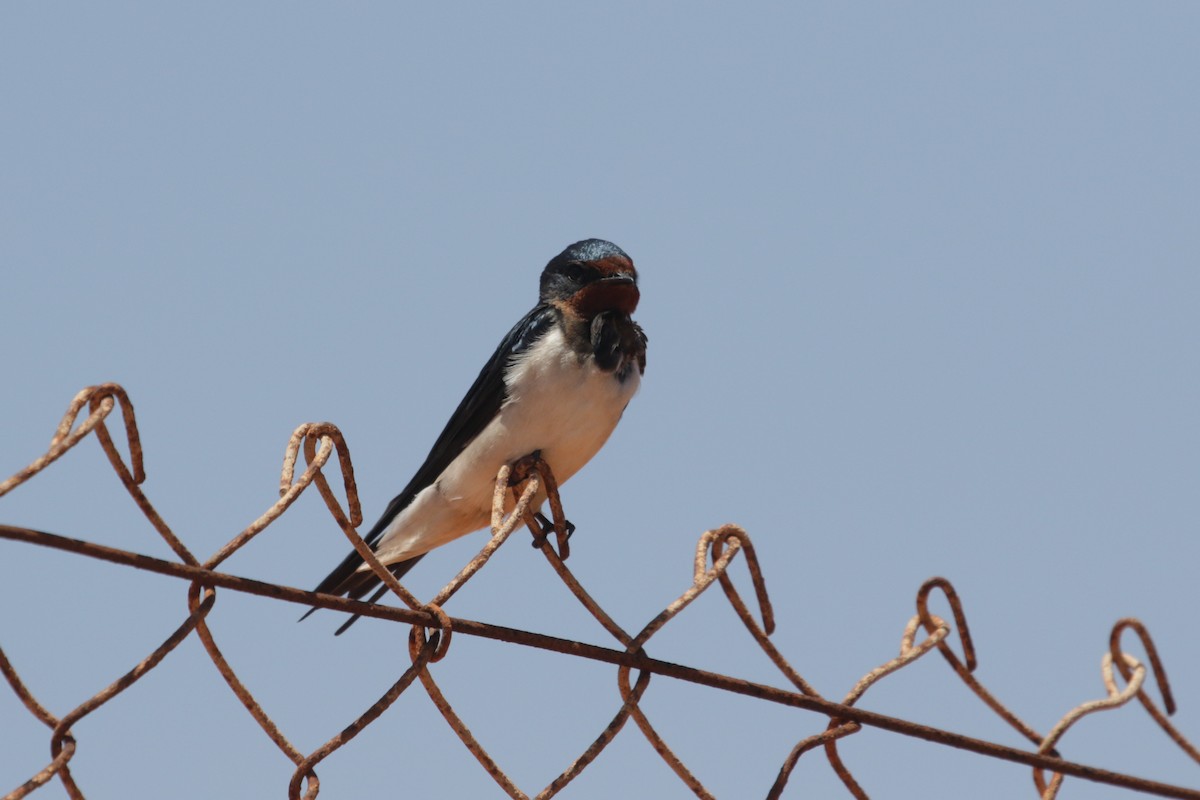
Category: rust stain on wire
[432,629]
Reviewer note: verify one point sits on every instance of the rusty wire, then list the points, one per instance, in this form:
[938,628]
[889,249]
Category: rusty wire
[432,629]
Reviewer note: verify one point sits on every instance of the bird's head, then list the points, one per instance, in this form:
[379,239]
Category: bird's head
[589,278]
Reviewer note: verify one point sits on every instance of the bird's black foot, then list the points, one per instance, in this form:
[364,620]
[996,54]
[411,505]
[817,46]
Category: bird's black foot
[546,527]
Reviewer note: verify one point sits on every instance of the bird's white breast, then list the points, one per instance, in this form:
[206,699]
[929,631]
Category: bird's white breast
[557,402]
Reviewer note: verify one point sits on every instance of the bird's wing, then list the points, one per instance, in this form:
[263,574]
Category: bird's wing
[479,407]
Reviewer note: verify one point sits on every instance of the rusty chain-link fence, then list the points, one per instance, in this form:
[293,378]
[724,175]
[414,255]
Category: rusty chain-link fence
[432,630]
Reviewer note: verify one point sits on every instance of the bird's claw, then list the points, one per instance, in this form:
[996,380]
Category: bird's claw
[546,527]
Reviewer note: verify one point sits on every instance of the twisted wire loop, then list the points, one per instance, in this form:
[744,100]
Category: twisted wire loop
[308,436]
[520,489]
[965,668]
[1160,676]
[517,486]
[67,435]
[909,652]
[100,401]
[1116,698]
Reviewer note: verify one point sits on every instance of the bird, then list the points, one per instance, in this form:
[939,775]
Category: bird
[558,383]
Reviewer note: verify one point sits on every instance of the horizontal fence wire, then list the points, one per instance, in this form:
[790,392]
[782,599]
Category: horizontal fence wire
[432,630]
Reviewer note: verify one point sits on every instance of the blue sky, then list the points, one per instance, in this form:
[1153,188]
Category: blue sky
[920,283]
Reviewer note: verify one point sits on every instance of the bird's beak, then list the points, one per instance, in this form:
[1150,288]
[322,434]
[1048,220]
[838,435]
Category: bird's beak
[619,279]
[615,292]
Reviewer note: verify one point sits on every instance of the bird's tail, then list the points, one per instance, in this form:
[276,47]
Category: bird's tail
[347,580]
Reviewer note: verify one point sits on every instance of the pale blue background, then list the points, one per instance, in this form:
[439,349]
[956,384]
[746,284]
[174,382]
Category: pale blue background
[921,286]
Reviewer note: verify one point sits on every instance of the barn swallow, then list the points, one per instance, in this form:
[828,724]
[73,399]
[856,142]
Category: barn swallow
[558,383]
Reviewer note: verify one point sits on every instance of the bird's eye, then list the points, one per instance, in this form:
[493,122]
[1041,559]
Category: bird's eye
[577,272]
